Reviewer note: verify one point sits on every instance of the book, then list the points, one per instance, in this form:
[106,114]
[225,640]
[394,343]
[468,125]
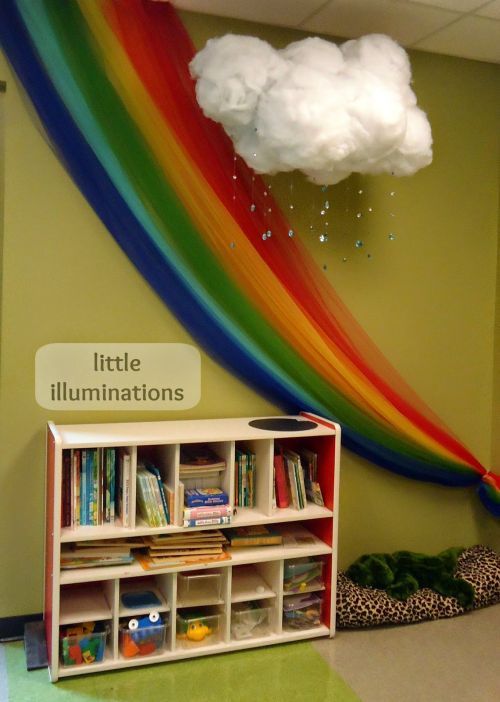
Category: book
[282,494]
[208,511]
[198,497]
[164,540]
[256,535]
[159,491]
[207,521]
[199,456]
[149,563]
[77,562]
[123,487]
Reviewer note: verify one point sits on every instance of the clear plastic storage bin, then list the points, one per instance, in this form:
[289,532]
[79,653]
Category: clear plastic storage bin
[199,588]
[197,628]
[141,637]
[303,575]
[86,648]
[302,611]
[250,619]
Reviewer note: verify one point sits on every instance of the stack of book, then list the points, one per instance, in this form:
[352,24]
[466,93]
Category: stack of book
[199,459]
[295,477]
[206,507]
[88,487]
[151,498]
[91,554]
[244,478]
[180,549]
[309,461]
[255,535]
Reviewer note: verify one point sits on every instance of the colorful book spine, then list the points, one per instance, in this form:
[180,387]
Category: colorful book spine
[206,521]
[156,474]
[199,497]
[203,512]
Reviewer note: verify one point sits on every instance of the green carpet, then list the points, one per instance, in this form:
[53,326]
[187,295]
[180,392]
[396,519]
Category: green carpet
[283,673]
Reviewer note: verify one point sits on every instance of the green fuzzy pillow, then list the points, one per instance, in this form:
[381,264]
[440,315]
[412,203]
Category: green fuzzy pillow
[402,573]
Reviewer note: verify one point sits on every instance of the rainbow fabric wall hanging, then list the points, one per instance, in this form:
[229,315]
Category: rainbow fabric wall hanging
[110,82]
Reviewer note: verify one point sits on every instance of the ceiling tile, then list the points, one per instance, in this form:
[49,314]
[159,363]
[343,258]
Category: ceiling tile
[287,13]
[404,22]
[457,5]
[492,9]
[471,37]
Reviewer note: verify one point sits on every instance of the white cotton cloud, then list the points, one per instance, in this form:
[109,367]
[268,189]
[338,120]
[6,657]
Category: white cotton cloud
[324,109]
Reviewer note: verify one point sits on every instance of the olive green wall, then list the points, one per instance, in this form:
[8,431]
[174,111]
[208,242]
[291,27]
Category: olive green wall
[427,298]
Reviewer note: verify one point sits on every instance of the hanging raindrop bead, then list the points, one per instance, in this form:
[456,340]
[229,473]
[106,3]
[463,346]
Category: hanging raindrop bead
[360,192]
[392,193]
[358,244]
[327,205]
[264,236]
[235,177]
[323,237]
[323,213]
[232,244]
[391,236]
[252,207]
[291,207]
[269,233]
[324,188]
[291,233]
[344,260]
[359,215]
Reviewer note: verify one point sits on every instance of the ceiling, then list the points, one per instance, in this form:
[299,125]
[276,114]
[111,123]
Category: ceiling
[466,28]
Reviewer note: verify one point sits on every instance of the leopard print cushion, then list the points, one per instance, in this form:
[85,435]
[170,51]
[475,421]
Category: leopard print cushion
[359,606]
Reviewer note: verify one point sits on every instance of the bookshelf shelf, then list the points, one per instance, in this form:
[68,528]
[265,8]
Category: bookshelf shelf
[251,574]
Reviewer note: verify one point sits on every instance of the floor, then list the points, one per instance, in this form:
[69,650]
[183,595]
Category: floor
[451,660]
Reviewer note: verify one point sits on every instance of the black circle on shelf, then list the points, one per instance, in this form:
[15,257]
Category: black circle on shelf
[283,424]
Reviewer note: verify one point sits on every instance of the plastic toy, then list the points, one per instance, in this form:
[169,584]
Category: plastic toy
[82,643]
[195,628]
[141,636]
[197,631]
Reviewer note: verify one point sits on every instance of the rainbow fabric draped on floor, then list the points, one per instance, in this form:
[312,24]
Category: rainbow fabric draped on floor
[110,81]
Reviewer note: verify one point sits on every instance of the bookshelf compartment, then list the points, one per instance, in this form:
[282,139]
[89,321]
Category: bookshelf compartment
[85,603]
[251,619]
[205,595]
[82,649]
[303,575]
[139,596]
[302,612]
[196,629]
[145,638]
[202,588]
[249,582]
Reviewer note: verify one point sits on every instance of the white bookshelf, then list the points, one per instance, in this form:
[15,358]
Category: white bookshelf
[252,575]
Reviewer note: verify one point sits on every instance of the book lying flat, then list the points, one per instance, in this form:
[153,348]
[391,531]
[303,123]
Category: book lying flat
[148,563]
[258,535]
[68,563]
[185,552]
[199,456]
[208,536]
[198,543]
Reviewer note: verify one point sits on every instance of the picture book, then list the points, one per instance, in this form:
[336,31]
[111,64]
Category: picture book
[150,563]
[255,535]
[198,497]
[199,456]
